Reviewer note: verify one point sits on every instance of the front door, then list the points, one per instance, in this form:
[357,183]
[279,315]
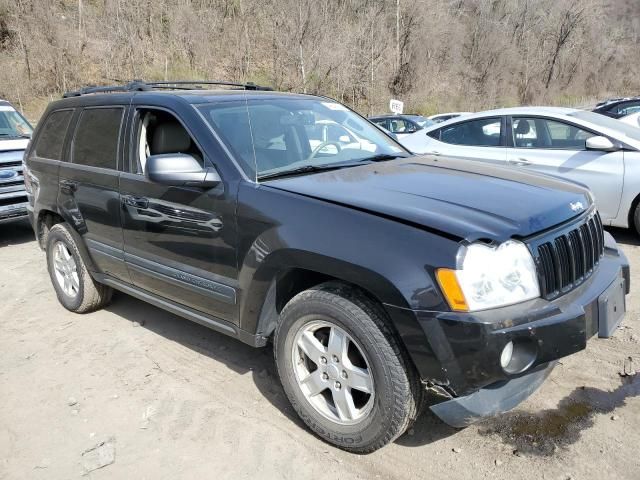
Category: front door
[558,148]
[179,241]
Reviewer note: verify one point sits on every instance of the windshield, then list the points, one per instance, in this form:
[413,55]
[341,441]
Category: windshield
[608,122]
[12,124]
[278,134]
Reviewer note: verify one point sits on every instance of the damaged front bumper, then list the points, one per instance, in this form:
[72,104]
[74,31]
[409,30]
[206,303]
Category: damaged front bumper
[466,347]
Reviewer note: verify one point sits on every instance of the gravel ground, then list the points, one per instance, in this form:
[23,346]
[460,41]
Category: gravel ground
[135,392]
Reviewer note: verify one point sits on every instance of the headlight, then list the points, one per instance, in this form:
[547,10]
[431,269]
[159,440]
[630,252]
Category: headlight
[490,277]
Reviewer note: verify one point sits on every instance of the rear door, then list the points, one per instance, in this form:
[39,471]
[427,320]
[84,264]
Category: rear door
[479,140]
[88,188]
[558,148]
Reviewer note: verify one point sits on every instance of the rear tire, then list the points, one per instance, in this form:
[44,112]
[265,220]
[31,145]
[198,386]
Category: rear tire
[636,219]
[311,327]
[77,291]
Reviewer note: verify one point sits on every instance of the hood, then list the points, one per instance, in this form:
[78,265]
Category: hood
[13,144]
[464,199]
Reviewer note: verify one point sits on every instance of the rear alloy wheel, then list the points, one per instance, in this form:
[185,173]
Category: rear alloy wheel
[66,270]
[76,289]
[343,369]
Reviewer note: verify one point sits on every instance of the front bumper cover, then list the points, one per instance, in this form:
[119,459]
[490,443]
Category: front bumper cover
[497,398]
[464,348]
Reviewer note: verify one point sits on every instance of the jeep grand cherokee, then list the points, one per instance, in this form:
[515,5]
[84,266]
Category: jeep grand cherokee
[377,274]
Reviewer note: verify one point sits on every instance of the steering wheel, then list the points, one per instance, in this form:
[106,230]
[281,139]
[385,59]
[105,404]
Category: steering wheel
[321,146]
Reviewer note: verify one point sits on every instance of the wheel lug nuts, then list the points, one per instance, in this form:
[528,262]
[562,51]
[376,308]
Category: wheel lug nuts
[323,360]
[344,374]
[325,376]
[336,359]
[337,385]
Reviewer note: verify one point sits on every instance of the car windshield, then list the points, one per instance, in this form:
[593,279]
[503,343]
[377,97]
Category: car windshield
[12,124]
[273,135]
[608,122]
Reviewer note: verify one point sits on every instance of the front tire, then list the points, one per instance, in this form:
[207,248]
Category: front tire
[343,369]
[77,291]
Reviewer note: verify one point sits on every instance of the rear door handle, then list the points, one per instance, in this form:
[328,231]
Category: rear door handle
[67,186]
[138,202]
[519,161]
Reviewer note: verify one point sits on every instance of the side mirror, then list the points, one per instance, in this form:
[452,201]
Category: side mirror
[180,170]
[601,143]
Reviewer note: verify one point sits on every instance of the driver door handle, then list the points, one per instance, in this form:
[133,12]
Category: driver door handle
[137,202]
[435,152]
[519,161]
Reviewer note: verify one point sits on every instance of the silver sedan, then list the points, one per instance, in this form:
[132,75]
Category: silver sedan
[586,147]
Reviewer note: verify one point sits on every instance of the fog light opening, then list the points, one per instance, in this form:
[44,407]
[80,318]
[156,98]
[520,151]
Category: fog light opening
[518,355]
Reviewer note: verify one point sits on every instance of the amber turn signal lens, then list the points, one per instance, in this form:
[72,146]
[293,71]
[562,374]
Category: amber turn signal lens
[451,289]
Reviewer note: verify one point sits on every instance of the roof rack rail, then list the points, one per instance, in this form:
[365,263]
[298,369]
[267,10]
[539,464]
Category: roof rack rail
[142,86]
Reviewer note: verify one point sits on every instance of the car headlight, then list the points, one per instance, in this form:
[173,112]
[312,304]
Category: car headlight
[489,277]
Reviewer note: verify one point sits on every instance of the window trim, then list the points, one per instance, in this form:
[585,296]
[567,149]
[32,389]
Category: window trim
[502,143]
[120,136]
[65,141]
[553,119]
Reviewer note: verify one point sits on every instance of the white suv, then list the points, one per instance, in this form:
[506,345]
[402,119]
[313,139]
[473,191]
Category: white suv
[15,133]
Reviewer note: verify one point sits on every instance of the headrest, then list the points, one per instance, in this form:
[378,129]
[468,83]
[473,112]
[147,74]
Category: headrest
[523,127]
[170,137]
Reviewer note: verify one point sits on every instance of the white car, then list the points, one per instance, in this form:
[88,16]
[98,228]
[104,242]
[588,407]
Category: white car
[443,117]
[633,119]
[586,147]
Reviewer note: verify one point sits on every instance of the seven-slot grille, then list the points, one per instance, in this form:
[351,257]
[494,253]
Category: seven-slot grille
[570,258]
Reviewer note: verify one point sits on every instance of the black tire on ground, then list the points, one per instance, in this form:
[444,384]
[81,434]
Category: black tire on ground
[90,295]
[636,219]
[397,389]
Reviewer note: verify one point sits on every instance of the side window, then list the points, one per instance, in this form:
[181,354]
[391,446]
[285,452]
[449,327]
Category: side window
[485,132]
[52,134]
[398,125]
[628,108]
[435,134]
[97,137]
[565,136]
[382,123]
[525,133]
[159,132]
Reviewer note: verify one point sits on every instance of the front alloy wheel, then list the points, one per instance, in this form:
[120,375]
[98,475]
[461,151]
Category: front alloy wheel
[333,373]
[343,368]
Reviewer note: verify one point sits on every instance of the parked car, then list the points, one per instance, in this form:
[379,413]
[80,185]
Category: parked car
[633,119]
[376,274]
[618,107]
[443,117]
[15,133]
[585,147]
[401,125]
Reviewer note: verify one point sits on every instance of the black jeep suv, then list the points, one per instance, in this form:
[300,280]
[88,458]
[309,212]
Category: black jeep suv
[378,275]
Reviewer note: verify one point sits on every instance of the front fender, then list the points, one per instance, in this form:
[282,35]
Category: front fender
[393,262]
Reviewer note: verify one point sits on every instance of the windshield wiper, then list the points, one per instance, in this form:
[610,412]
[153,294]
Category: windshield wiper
[308,169]
[381,157]
[299,171]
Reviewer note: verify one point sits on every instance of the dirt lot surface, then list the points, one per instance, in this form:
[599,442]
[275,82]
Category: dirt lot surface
[149,395]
